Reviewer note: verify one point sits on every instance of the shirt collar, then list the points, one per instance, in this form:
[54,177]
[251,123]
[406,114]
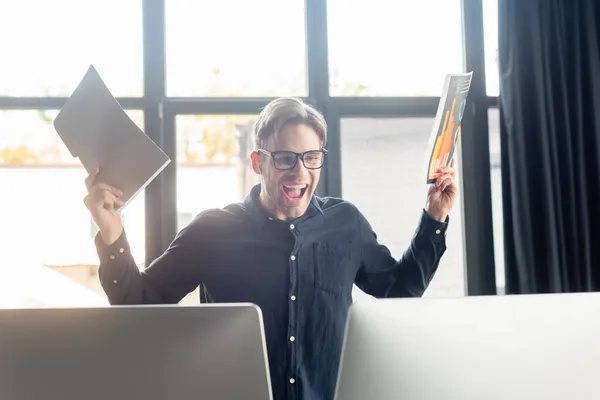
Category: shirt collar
[260,216]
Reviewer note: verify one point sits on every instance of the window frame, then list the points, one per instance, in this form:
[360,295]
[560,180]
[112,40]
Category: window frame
[160,114]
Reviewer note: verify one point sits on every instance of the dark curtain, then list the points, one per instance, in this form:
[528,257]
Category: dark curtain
[550,126]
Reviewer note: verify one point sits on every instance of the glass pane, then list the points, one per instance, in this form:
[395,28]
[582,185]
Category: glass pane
[50,253]
[235,48]
[213,152]
[490,32]
[496,183]
[381,164]
[47,46]
[393,48]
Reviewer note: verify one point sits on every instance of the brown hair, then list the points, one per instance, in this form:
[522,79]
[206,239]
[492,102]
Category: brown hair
[284,111]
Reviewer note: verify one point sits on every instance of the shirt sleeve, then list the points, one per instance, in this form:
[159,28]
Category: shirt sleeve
[166,281]
[381,275]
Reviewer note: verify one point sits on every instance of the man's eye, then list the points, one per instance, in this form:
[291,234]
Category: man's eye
[286,159]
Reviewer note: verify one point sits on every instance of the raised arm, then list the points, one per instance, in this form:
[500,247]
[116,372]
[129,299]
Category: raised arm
[167,280]
[381,275]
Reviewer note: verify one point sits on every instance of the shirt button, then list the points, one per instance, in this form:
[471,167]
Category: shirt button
[292,226]
[293,298]
[292,338]
[121,250]
[293,257]
[112,256]
[438,232]
[292,380]
[115,281]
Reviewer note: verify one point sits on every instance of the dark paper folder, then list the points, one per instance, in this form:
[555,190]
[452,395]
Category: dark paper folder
[97,130]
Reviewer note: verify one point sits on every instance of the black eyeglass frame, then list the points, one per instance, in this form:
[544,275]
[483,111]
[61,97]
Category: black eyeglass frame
[273,154]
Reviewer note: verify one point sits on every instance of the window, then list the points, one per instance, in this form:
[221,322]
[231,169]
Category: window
[393,48]
[47,46]
[213,152]
[213,167]
[496,186]
[381,164]
[490,36]
[232,48]
[47,232]
[221,50]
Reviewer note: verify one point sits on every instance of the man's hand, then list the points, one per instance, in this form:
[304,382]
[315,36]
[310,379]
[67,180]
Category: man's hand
[442,194]
[101,200]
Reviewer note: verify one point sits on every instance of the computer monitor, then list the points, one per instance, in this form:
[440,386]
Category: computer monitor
[212,351]
[519,347]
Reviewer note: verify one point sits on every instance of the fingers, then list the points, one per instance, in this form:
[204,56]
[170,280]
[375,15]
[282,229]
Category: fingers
[104,196]
[118,202]
[100,195]
[89,181]
[444,181]
[100,198]
[91,184]
[445,170]
[111,189]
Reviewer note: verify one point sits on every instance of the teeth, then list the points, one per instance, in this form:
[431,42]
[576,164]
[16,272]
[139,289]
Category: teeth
[295,186]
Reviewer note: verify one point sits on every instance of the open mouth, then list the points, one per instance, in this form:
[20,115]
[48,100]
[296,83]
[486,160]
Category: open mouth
[294,192]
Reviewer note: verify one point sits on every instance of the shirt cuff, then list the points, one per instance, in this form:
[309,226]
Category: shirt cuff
[432,228]
[118,252]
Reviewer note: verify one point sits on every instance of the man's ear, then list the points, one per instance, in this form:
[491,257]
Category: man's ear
[255,160]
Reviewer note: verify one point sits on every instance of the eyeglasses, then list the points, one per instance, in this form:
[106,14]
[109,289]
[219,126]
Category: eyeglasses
[283,160]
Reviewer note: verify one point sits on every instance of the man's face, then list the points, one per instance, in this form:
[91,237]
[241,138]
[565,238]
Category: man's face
[287,192]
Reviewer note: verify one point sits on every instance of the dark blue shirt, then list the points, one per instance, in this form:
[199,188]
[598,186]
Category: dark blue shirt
[300,273]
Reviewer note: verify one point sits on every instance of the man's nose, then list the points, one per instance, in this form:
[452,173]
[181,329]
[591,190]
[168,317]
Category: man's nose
[299,168]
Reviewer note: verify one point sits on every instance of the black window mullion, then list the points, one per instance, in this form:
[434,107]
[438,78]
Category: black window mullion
[317,62]
[159,222]
[475,166]
[56,103]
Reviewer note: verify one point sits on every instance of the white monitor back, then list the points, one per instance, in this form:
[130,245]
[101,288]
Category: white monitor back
[522,347]
[213,351]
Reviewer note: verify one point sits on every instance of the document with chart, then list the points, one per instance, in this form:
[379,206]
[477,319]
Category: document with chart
[446,127]
[98,132]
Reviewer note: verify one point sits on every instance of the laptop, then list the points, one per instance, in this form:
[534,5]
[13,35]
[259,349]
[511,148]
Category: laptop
[520,347]
[212,351]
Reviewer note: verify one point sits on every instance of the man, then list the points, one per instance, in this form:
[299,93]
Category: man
[293,254]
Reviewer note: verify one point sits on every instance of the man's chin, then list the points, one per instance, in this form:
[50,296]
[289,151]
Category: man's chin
[300,204]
